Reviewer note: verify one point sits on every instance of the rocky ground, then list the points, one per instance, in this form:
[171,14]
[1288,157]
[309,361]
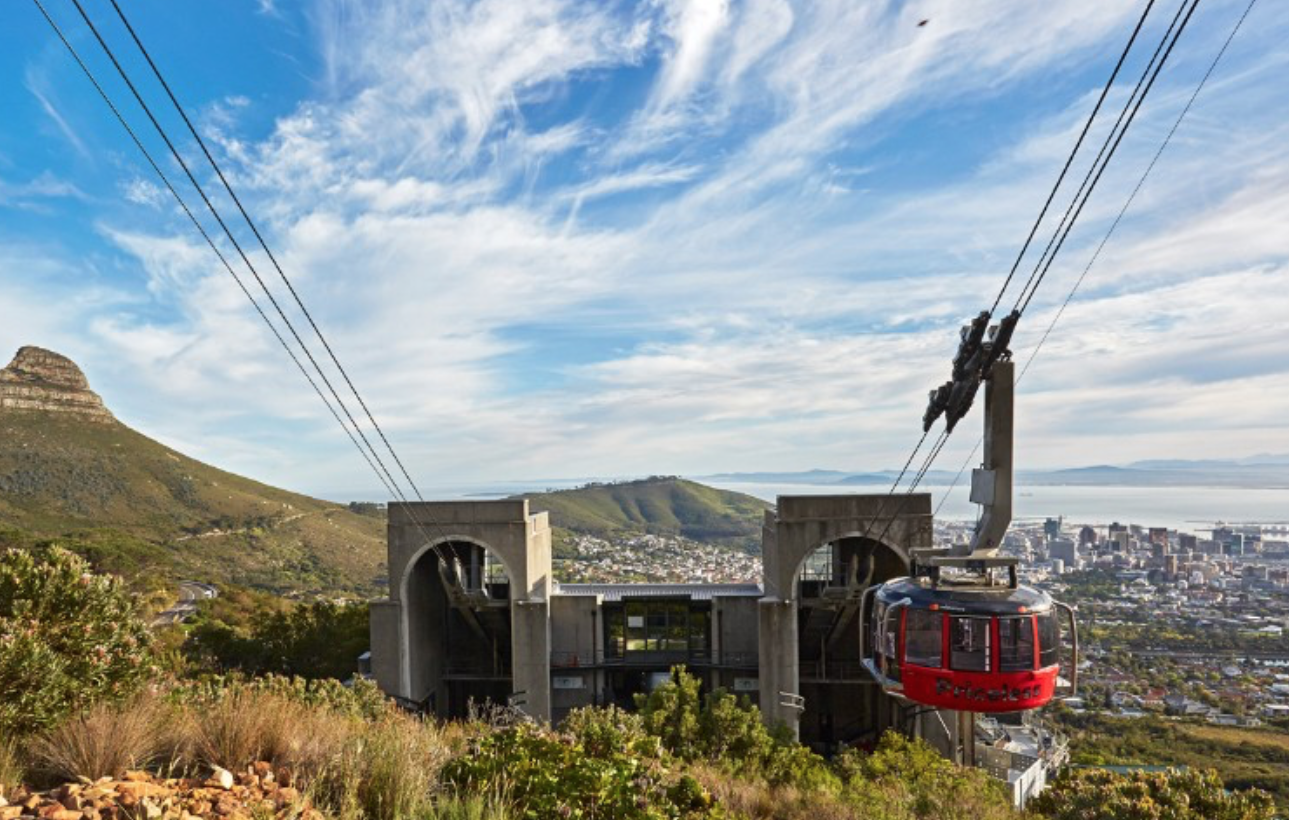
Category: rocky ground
[259,792]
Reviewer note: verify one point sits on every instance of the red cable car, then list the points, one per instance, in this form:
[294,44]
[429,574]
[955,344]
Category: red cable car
[965,642]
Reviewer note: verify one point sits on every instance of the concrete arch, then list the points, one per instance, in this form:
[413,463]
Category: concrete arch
[409,651]
[893,549]
[420,553]
[790,534]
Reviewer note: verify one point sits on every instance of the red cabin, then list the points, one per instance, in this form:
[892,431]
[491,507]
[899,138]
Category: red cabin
[969,647]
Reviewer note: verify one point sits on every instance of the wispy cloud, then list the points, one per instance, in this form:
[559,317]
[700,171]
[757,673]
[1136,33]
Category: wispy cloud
[596,238]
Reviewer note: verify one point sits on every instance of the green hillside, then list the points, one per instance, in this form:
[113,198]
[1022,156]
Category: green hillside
[662,506]
[136,507]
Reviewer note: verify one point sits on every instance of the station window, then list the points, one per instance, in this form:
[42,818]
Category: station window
[969,644]
[1049,639]
[922,638]
[1016,644]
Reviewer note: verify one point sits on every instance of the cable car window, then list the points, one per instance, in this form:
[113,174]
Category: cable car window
[1049,639]
[1016,644]
[922,633]
[969,644]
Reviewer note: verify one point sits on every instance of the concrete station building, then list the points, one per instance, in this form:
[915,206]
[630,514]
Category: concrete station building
[474,615]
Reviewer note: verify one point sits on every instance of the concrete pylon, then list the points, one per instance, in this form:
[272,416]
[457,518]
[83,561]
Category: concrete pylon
[991,484]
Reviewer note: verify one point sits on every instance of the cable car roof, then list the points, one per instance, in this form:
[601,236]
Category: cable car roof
[965,599]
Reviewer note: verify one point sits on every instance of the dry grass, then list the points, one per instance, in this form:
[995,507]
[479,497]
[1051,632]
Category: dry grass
[240,729]
[11,769]
[387,771]
[757,800]
[1237,736]
[103,741]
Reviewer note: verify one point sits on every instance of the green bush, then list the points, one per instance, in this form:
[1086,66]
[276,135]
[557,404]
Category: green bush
[68,639]
[551,775]
[905,778]
[361,699]
[316,640]
[1098,794]
[605,731]
[728,732]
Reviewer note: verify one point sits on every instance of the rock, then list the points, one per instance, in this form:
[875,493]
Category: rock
[41,380]
[221,778]
[139,790]
[285,797]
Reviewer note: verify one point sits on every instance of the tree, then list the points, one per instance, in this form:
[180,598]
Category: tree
[317,640]
[68,638]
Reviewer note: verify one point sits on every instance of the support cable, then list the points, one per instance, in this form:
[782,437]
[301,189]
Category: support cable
[259,237]
[1105,145]
[1087,125]
[383,473]
[1109,233]
[1113,140]
[1070,159]
[206,236]
[1023,306]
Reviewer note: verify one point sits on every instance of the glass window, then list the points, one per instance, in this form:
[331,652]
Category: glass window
[657,624]
[922,637]
[698,631]
[969,644]
[1049,639]
[1016,644]
[677,628]
[635,627]
[614,633]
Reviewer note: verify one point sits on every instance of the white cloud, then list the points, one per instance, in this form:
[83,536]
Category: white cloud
[760,310]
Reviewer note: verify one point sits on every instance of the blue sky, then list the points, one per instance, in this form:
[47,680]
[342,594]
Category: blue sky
[560,239]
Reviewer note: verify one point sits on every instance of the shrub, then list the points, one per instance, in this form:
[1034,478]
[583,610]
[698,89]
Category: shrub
[550,775]
[474,807]
[728,731]
[68,639]
[315,640]
[1097,794]
[104,741]
[606,731]
[363,699]
[907,778]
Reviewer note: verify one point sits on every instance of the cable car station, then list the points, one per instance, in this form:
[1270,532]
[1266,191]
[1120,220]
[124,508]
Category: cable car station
[860,623]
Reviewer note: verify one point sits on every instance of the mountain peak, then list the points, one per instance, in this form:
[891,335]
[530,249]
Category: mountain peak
[42,380]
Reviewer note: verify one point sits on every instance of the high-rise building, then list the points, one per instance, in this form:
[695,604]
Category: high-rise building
[1087,536]
[1052,528]
[1063,549]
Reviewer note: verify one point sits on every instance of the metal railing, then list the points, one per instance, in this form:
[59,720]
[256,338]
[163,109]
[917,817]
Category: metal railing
[569,659]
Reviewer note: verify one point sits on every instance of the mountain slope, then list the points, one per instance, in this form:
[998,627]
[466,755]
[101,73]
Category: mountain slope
[69,471]
[663,506]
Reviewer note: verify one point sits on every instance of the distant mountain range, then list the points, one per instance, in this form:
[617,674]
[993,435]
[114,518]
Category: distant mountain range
[1254,472]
